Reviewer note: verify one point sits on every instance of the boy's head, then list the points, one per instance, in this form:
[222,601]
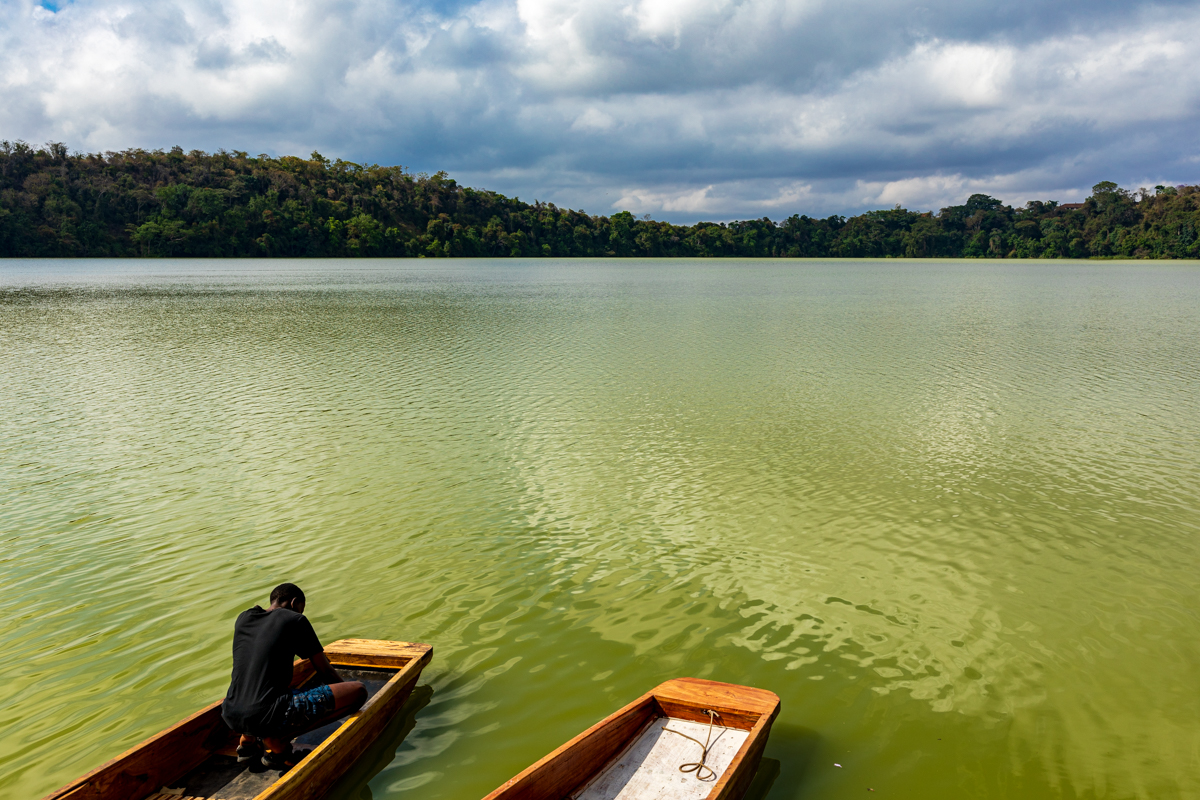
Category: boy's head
[288,595]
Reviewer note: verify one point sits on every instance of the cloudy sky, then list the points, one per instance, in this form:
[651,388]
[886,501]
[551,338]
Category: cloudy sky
[682,109]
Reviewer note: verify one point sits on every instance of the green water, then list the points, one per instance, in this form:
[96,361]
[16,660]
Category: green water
[948,511]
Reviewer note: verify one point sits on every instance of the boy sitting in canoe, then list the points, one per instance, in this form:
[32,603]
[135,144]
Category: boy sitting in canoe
[260,705]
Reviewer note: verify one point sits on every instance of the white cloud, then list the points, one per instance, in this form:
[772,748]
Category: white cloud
[691,201]
[930,192]
[678,107]
[593,120]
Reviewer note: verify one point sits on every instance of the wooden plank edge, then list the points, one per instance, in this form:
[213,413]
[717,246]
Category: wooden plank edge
[406,678]
[401,683]
[79,783]
[302,670]
[747,698]
[532,769]
[374,653]
[724,786]
[617,756]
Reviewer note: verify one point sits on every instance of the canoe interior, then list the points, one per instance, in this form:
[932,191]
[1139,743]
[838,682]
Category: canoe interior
[221,777]
[650,766]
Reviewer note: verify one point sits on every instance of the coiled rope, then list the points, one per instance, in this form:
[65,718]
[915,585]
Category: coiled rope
[703,771]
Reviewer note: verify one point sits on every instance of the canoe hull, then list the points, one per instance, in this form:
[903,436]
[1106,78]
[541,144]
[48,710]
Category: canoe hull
[569,769]
[165,758]
[313,776]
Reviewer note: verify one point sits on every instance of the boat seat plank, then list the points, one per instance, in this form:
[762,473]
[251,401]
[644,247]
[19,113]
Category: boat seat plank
[374,653]
[649,768]
[378,646]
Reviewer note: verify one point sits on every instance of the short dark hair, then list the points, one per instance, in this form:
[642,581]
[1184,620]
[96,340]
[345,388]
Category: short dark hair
[286,591]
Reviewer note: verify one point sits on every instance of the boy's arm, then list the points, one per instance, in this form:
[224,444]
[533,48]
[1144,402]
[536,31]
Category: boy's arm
[324,668]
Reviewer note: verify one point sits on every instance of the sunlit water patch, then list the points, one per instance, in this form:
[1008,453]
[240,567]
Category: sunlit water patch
[948,511]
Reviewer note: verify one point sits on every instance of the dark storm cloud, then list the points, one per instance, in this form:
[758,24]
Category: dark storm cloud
[680,108]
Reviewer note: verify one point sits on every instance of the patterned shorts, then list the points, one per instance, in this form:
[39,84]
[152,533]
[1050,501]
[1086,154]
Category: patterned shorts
[305,708]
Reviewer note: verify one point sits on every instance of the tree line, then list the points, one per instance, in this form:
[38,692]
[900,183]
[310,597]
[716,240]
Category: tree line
[228,204]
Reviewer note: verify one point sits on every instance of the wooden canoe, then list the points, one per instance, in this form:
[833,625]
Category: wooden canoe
[196,759]
[638,751]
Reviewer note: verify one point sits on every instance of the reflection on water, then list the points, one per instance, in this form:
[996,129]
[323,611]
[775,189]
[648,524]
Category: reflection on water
[948,511]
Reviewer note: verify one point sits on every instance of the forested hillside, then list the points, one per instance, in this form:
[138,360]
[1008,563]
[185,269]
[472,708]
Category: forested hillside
[155,203]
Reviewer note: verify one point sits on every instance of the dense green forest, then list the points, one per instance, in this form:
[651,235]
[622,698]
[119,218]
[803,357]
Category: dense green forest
[156,203]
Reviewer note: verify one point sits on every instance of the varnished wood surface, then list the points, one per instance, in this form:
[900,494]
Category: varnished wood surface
[373,653]
[165,757]
[328,761]
[739,706]
[222,776]
[572,765]
[141,770]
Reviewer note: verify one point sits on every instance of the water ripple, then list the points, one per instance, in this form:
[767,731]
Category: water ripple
[948,511]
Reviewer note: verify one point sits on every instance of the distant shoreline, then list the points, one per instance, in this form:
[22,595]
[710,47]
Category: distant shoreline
[140,203]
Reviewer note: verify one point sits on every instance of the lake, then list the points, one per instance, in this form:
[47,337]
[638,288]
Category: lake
[948,510]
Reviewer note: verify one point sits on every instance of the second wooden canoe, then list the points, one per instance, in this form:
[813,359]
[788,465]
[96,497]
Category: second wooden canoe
[195,758]
[639,751]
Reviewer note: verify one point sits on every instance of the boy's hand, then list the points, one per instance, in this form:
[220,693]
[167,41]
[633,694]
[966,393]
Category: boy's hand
[325,669]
